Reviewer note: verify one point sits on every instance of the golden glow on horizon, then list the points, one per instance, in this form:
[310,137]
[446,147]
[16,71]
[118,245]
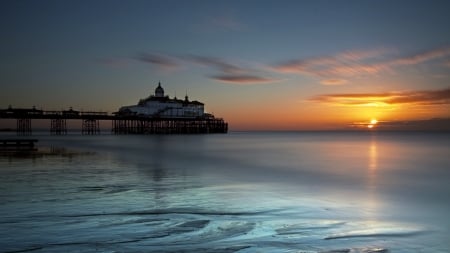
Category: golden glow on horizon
[248,113]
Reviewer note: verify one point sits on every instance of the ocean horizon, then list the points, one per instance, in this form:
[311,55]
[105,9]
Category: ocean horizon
[245,191]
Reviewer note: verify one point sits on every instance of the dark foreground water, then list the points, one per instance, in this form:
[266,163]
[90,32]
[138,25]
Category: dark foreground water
[240,192]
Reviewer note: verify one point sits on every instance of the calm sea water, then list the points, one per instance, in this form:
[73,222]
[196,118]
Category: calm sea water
[239,192]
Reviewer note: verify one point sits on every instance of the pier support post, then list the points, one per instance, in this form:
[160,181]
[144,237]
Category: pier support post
[58,126]
[119,126]
[23,126]
[90,126]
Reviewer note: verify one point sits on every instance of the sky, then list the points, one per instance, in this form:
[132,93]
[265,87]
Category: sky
[260,65]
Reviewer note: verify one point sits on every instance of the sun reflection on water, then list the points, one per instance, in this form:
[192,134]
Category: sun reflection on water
[372,203]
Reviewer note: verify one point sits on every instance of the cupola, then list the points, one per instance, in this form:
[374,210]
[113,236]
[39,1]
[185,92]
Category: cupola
[159,91]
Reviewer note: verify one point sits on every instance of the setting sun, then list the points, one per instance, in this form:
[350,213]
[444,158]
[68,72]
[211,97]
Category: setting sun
[372,123]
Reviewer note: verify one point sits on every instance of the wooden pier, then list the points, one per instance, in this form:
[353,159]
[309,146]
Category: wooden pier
[90,122]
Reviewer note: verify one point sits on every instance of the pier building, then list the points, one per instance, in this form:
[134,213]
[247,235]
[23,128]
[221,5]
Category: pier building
[161,106]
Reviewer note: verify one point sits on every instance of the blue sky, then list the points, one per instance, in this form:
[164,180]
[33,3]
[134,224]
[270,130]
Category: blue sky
[242,58]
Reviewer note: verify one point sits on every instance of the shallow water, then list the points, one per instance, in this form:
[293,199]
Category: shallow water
[239,192]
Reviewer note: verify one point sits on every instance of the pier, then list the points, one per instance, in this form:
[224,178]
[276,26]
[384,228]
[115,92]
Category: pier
[120,124]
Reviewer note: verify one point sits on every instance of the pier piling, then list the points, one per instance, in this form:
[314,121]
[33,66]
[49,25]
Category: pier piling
[58,126]
[23,126]
[90,126]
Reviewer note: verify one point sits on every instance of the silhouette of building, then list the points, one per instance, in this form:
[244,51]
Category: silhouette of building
[161,106]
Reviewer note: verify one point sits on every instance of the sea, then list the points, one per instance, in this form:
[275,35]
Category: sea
[335,192]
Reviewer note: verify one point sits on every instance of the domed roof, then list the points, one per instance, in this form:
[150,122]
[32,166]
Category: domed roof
[159,91]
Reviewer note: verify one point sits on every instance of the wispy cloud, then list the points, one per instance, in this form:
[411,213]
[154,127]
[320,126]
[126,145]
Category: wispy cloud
[227,72]
[333,81]
[217,63]
[423,97]
[421,57]
[305,66]
[244,79]
[163,61]
[343,64]
[356,63]
[231,73]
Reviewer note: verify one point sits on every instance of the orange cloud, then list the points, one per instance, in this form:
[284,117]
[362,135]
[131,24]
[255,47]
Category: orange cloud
[356,55]
[353,70]
[424,97]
